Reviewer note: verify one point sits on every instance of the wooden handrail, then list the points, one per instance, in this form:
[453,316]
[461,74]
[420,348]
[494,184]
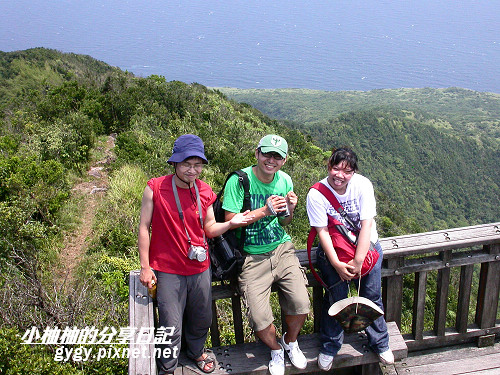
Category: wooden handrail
[419,254]
[463,249]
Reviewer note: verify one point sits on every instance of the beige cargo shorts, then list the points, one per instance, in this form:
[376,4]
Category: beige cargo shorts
[260,271]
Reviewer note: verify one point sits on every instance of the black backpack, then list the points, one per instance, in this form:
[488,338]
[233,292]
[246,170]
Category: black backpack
[226,250]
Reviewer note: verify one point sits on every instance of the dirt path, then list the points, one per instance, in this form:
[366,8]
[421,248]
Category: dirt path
[91,193]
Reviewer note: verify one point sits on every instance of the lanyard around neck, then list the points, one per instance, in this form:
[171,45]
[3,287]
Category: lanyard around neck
[181,214]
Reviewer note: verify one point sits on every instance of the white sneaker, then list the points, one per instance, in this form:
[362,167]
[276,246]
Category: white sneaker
[387,357]
[277,362]
[325,361]
[296,356]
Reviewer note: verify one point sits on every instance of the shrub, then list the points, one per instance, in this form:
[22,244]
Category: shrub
[117,234]
[19,358]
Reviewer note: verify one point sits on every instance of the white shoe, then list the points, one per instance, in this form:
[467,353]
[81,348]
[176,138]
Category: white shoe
[387,357]
[296,356]
[277,362]
[325,361]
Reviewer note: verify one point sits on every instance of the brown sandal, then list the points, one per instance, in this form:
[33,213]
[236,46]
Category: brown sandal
[202,363]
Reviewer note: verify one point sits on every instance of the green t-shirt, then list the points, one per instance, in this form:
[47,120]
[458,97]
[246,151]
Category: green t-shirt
[265,234]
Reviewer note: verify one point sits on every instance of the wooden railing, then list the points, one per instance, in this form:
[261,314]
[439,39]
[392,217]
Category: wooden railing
[469,254]
[420,254]
[461,250]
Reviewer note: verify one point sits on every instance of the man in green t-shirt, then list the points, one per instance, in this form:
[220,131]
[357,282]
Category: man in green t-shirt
[270,255]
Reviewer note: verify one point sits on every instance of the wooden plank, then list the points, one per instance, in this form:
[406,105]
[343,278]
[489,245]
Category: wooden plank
[284,326]
[429,263]
[459,366]
[494,371]
[464,359]
[388,369]
[429,241]
[392,292]
[239,335]
[451,337]
[464,293]
[303,258]
[488,340]
[443,283]
[440,240]
[489,288]
[419,293]
[140,316]
[214,327]
[317,304]
[253,358]
[221,291]
[370,369]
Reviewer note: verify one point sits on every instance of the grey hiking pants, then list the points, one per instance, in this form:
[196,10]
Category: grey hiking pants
[188,297]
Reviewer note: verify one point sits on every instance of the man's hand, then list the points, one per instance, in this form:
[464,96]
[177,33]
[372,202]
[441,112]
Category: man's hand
[241,219]
[276,204]
[291,201]
[147,277]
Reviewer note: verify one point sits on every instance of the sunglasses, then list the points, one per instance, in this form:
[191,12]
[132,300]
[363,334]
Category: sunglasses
[269,155]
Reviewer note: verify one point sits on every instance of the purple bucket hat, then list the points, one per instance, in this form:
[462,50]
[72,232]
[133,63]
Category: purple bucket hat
[187,146]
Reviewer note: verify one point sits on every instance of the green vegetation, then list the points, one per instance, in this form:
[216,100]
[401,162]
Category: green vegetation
[460,111]
[432,154]
[55,112]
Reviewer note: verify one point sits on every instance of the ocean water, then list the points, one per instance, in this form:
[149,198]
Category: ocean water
[326,45]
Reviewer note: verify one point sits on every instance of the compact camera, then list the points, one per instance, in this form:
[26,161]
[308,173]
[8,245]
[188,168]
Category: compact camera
[285,213]
[197,252]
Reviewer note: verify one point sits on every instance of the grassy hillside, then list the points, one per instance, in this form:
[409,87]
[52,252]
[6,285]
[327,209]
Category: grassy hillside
[55,111]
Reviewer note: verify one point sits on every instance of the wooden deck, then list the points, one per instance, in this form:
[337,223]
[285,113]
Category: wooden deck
[457,360]
[253,358]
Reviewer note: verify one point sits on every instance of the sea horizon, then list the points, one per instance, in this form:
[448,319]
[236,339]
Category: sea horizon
[320,45]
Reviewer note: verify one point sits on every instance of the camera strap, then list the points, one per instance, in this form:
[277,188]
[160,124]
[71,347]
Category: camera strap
[181,214]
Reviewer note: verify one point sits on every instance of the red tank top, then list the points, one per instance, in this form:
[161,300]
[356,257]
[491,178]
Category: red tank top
[169,245]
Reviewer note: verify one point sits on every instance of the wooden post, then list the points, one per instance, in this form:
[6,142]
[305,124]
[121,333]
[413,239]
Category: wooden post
[489,287]
[464,293]
[443,284]
[419,293]
[214,328]
[317,303]
[237,319]
[392,293]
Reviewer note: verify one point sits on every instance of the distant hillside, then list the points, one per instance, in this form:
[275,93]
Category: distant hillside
[465,112]
[434,152]
[41,68]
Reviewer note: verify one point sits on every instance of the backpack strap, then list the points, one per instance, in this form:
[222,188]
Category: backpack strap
[310,240]
[313,232]
[245,183]
[334,202]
